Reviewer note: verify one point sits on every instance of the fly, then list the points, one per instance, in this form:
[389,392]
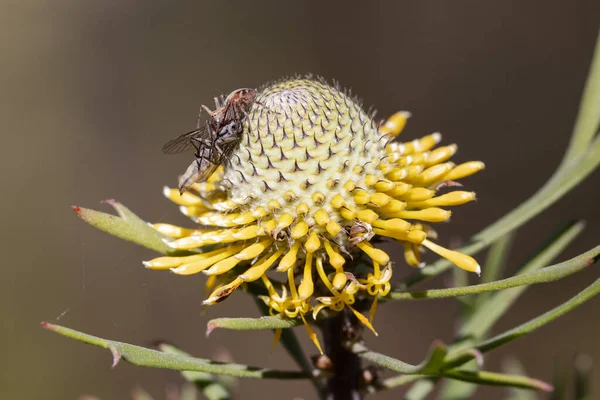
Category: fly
[216,140]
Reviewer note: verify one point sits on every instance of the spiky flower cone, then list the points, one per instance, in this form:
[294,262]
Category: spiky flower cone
[314,179]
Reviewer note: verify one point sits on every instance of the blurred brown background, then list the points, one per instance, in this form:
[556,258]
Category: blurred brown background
[90,91]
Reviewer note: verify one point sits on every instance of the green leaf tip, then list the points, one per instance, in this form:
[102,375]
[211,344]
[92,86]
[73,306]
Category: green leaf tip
[125,225]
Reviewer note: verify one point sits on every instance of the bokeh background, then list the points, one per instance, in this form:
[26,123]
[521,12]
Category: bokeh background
[89,91]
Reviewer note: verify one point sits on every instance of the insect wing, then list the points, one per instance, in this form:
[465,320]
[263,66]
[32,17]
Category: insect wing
[185,141]
[198,171]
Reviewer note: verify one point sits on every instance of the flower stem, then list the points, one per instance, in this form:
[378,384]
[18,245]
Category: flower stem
[337,331]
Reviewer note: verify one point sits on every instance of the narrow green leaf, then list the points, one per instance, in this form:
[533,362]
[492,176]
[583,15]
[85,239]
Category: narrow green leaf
[126,225]
[251,324]
[548,274]
[156,359]
[430,366]
[588,117]
[486,316]
[497,379]
[211,387]
[460,357]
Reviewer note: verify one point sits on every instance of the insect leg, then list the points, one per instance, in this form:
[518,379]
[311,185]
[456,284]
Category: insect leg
[208,110]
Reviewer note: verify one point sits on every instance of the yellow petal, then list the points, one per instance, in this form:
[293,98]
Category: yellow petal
[333,228]
[449,199]
[190,268]
[440,155]
[434,173]
[364,320]
[276,337]
[411,256]
[429,214]
[313,243]
[172,230]
[299,230]
[223,292]
[394,125]
[373,309]
[186,199]
[289,259]
[306,287]
[418,194]
[260,268]
[284,220]
[464,170]
[377,255]
[335,259]
[311,334]
[392,224]
[339,280]
[461,260]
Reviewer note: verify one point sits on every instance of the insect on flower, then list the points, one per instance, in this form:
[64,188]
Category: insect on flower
[215,141]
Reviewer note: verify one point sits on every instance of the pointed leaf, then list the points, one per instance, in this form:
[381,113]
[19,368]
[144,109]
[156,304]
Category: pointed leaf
[156,359]
[126,225]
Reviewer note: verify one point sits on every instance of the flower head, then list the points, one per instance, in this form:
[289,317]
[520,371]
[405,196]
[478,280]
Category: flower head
[313,182]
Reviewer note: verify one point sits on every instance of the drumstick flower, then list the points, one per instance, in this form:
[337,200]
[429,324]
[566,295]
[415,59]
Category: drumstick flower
[313,182]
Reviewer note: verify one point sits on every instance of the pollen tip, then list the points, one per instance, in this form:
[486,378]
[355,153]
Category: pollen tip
[437,137]
[146,264]
[478,270]
[166,191]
